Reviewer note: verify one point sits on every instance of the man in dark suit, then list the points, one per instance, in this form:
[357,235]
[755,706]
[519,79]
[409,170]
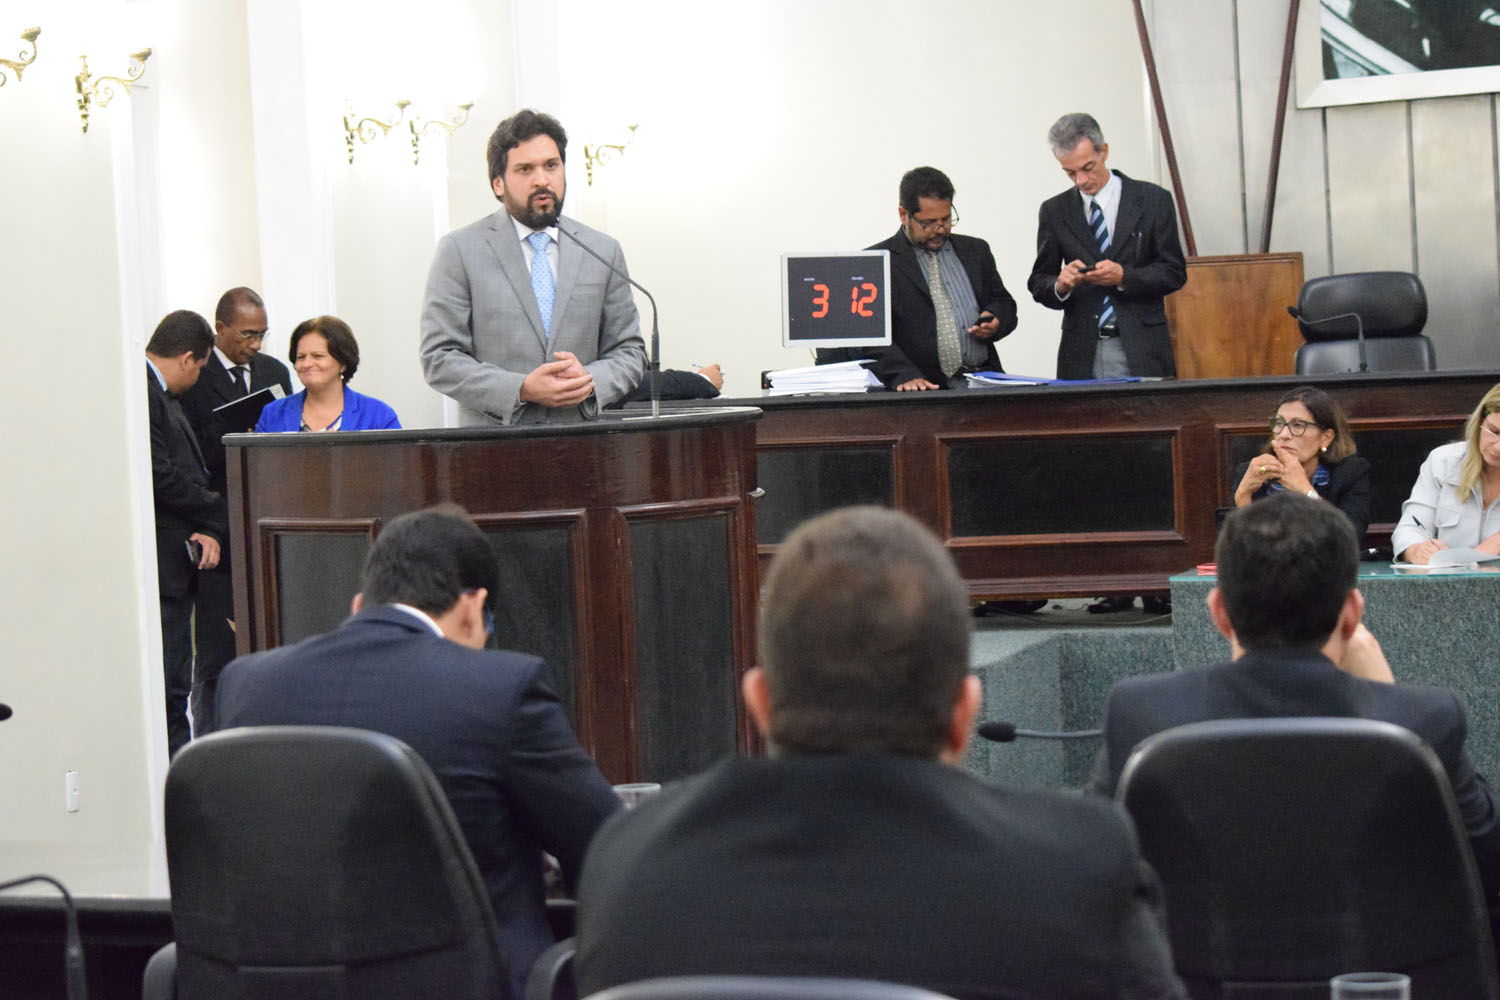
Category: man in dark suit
[1107,254]
[858,849]
[948,304]
[1286,600]
[191,519]
[235,368]
[411,662]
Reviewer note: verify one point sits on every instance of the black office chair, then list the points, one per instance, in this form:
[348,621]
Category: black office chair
[551,976]
[315,861]
[1291,850]
[1392,305]
[763,988]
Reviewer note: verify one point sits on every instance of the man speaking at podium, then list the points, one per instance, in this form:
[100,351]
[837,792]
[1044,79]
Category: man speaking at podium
[520,325]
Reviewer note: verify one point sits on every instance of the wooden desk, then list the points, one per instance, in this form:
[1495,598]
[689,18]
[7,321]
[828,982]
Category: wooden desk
[1077,490]
[627,552]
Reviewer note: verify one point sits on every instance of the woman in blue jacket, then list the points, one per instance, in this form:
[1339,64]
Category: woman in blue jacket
[325,355]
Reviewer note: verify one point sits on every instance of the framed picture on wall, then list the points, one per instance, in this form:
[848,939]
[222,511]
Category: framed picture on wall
[1364,51]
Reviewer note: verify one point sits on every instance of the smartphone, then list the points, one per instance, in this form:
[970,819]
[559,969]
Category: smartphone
[1087,268]
[194,551]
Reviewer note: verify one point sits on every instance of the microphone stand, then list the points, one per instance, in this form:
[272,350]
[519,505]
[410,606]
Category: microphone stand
[1359,329]
[655,334]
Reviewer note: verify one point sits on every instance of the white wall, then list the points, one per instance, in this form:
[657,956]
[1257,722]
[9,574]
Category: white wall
[80,645]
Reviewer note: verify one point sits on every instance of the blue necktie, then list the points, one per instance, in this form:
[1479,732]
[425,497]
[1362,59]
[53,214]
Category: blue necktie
[541,279]
[1101,236]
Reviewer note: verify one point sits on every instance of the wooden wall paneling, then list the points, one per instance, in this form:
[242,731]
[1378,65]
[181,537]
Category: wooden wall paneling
[1230,318]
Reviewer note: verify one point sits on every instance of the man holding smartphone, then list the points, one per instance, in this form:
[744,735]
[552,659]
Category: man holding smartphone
[948,304]
[1107,255]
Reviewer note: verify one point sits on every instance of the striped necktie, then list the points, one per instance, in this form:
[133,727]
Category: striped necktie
[541,279]
[1101,237]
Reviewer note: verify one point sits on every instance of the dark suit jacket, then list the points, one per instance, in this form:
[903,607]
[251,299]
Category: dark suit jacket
[1348,489]
[1144,242]
[913,352]
[179,486]
[877,867]
[488,724]
[1276,683]
[215,388]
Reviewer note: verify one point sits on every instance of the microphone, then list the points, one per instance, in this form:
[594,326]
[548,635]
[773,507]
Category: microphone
[1359,328]
[655,335]
[77,982]
[1006,732]
[5,711]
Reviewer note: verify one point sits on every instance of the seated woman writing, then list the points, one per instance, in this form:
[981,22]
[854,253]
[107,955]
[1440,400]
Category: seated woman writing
[1453,502]
[1311,452]
[325,355]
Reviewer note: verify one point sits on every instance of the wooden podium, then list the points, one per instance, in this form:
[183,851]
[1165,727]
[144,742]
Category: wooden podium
[1230,318]
[626,546]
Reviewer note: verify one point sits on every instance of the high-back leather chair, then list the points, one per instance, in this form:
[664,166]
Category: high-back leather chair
[1291,850]
[317,861]
[1392,305]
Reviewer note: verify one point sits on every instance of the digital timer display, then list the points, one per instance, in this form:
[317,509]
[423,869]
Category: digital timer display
[836,299]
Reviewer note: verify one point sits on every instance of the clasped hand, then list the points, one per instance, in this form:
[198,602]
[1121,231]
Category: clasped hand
[558,383]
[1076,272]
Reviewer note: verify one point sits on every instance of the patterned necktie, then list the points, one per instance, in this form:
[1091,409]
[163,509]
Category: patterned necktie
[1101,236]
[238,374]
[541,279]
[950,353]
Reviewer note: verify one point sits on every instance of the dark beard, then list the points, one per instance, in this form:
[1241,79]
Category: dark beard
[532,219]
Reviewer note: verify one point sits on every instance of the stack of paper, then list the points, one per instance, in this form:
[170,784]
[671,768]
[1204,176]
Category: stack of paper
[846,376]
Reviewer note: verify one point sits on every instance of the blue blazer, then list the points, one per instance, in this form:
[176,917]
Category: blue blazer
[361,413]
[487,722]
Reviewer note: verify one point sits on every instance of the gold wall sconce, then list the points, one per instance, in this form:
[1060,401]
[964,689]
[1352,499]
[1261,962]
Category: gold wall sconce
[368,128]
[25,58]
[101,90]
[601,154]
[421,130]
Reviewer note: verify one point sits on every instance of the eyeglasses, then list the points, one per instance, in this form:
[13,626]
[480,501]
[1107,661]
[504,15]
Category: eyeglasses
[251,337]
[928,225]
[1298,427]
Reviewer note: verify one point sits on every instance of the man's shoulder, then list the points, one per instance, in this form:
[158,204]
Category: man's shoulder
[1141,189]
[263,364]
[965,245]
[894,242]
[478,231]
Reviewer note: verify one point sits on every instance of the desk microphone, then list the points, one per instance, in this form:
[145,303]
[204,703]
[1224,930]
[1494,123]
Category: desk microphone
[1006,732]
[77,982]
[655,335]
[1359,328]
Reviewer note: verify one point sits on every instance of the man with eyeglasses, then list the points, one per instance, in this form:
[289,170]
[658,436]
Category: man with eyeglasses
[235,368]
[948,304]
[1107,255]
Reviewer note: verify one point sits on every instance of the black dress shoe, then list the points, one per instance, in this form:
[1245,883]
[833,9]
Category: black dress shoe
[1156,604]
[1109,605]
[985,608]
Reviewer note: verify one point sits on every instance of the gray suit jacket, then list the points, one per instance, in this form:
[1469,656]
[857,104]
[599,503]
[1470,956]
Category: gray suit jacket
[482,333]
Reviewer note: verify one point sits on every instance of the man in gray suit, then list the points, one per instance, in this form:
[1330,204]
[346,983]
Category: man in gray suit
[520,324]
